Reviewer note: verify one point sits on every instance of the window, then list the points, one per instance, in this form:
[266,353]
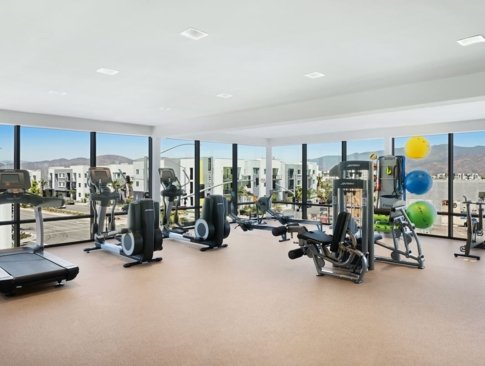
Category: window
[469,177]
[179,156]
[321,158]
[41,151]
[124,155]
[216,168]
[363,149]
[287,161]
[251,166]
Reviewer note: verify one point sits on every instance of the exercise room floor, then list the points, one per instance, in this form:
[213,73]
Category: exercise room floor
[248,304]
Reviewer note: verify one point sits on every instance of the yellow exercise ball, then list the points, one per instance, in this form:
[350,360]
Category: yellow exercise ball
[417,147]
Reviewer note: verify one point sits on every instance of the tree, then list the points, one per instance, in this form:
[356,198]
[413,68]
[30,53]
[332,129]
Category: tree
[35,188]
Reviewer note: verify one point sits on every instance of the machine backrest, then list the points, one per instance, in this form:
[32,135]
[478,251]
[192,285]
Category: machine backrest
[14,179]
[340,230]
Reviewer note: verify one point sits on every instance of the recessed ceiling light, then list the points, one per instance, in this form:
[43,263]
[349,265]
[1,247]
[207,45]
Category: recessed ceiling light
[194,34]
[106,71]
[471,40]
[315,75]
[165,109]
[57,92]
[224,95]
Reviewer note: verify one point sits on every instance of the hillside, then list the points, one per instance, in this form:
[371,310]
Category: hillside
[467,160]
[44,165]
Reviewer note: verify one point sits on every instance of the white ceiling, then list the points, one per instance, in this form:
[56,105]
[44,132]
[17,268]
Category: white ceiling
[390,66]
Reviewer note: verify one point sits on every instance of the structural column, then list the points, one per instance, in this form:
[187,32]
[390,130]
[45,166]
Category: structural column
[153,167]
[269,169]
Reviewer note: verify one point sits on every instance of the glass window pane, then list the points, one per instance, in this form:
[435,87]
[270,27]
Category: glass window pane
[436,164]
[363,149]
[127,158]
[216,168]
[56,161]
[251,177]
[468,152]
[321,159]
[179,156]
[287,179]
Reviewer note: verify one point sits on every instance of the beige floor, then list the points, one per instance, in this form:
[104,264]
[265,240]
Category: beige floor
[249,304]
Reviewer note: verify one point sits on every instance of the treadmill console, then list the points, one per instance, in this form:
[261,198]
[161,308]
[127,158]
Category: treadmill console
[14,180]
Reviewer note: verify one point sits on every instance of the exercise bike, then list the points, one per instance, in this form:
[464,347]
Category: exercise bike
[474,228]
[209,230]
[143,235]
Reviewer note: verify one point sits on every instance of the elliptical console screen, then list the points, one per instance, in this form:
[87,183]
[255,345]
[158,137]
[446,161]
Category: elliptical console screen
[100,176]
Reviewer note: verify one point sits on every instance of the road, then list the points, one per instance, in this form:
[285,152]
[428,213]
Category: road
[56,232]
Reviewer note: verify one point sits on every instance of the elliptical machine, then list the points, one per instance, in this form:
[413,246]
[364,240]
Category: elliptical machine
[210,230]
[143,235]
[474,229]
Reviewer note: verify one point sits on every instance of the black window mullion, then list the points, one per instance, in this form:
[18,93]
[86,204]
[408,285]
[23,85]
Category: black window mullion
[451,174]
[304,182]
[16,206]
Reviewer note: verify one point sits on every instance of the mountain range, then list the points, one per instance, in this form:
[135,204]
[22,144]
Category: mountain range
[101,160]
[466,159]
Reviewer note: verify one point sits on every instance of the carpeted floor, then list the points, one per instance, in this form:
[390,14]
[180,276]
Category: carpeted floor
[249,304]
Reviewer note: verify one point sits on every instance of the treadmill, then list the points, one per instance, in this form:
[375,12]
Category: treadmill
[29,264]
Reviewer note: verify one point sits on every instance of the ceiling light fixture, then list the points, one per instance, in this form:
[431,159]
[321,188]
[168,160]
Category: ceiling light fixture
[315,75]
[58,93]
[193,34]
[165,109]
[471,40]
[224,95]
[106,71]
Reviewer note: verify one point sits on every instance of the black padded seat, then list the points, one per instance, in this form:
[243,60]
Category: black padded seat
[316,237]
[339,232]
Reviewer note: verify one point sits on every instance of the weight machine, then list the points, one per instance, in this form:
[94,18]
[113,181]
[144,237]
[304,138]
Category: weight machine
[353,192]
[390,214]
[350,248]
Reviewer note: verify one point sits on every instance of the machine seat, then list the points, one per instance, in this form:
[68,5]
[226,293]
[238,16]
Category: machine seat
[339,233]
[316,237]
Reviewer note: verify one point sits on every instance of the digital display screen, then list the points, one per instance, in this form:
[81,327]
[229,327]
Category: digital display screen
[10,180]
[100,175]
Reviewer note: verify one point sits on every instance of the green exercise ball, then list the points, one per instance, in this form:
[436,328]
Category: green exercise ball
[422,214]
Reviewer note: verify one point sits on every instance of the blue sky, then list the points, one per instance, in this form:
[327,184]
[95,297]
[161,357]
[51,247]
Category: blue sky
[46,144]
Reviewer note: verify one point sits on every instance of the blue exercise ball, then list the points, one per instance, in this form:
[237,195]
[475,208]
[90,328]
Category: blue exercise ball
[418,182]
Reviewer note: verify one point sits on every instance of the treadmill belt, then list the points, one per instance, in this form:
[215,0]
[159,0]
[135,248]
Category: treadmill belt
[25,266]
